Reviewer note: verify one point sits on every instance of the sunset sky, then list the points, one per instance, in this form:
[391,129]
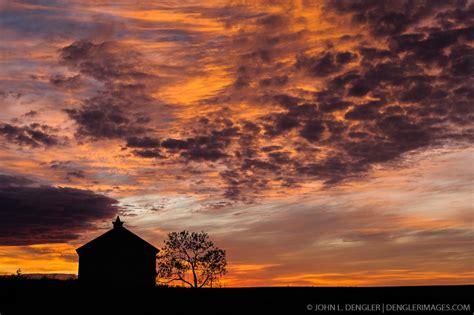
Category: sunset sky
[320,143]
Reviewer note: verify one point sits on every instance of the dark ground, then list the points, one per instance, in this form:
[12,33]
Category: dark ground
[24,296]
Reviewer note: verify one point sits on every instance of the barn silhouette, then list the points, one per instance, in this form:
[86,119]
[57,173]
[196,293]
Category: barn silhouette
[117,258]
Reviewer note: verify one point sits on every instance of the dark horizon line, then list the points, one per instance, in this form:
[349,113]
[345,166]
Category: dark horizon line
[250,287]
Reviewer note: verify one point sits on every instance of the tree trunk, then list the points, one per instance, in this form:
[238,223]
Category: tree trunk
[194,277]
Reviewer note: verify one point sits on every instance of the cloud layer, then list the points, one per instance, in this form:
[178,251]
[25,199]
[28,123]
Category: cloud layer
[217,111]
[38,214]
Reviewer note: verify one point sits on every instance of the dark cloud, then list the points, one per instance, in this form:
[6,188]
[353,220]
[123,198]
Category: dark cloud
[345,57]
[101,120]
[312,130]
[116,110]
[417,93]
[405,133]
[294,117]
[175,144]
[210,147]
[318,66]
[360,88]
[71,170]
[280,123]
[240,186]
[410,109]
[273,21]
[148,154]
[286,100]
[371,53]
[145,142]
[31,113]
[104,61]
[331,170]
[259,164]
[33,135]
[391,17]
[67,83]
[276,81]
[325,63]
[77,174]
[9,180]
[461,60]
[457,15]
[401,84]
[331,103]
[36,214]
[365,111]
[204,154]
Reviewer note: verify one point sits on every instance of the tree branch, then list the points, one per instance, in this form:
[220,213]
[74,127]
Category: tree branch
[166,282]
[182,279]
[176,279]
[207,278]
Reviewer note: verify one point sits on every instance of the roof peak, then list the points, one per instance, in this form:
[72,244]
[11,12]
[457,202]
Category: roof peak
[117,223]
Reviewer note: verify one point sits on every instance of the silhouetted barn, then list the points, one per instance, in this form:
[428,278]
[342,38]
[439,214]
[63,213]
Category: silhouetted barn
[117,258]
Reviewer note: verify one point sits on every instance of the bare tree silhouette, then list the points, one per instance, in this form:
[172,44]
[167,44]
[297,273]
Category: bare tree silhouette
[192,259]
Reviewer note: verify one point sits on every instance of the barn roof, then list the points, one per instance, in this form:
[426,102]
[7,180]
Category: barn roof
[118,237]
